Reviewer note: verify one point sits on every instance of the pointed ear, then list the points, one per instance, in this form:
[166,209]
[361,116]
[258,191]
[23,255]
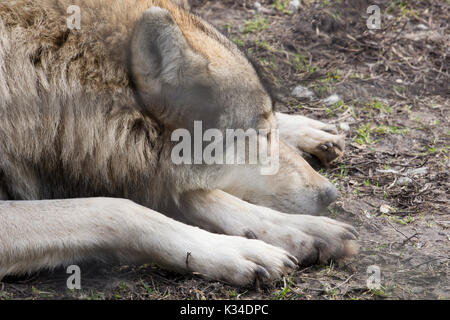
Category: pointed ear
[164,68]
[157,47]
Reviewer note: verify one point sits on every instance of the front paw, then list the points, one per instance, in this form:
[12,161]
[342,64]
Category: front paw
[325,146]
[328,150]
[311,136]
[312,239]
[240,261]
[331,239]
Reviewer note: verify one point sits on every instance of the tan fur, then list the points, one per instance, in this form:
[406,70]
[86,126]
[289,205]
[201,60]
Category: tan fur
[82,115]
[87,65]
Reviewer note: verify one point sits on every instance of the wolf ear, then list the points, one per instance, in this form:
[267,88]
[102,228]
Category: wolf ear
[157,47]
[165,70]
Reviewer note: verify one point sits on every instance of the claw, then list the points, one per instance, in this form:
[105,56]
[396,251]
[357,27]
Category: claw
[349,228]
[249,234]
[293,260]
[348,236]
[353,230]
[262,273]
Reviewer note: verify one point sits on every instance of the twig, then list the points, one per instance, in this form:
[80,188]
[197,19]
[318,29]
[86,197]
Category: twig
[344,281]
[406,240]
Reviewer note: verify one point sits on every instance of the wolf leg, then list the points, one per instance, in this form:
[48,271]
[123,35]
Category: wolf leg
[310,239]
[46,234]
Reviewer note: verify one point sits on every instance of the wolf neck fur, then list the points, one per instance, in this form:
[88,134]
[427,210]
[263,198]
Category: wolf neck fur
[66,94]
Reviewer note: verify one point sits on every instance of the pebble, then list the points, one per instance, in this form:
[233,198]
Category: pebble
[258,7]
[344,126]
[421,26]
[294,5]
[385,208]
[332,99]
[301,92]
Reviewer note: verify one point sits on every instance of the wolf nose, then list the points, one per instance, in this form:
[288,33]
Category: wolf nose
[328,195]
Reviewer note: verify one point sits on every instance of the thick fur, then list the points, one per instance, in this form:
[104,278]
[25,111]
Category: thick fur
[89,113]
[67,97]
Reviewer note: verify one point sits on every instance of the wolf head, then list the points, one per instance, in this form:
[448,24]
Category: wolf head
[184,70]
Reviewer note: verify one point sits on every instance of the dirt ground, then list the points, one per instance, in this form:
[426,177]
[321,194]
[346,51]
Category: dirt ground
[393,106]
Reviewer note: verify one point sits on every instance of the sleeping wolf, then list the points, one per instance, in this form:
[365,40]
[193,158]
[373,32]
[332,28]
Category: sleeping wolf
[86,171]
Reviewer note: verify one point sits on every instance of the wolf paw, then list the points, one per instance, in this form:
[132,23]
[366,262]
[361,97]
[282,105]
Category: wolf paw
[327,240]
[311,136]
[242,261]
[311,239]
[328,151]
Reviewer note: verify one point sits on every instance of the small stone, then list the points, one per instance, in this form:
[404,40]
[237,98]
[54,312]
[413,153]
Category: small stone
[344,126]
[421,26]
[399,81]
[301,92]
[404,181]
[334,98]
[385,208]
[258,7]
[294,5]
